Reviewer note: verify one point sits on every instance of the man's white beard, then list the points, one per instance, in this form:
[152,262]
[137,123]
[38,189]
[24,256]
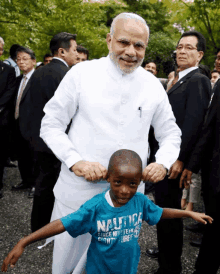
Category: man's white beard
[115,59]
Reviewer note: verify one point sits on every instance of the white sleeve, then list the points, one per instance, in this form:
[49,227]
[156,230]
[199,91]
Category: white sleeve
[58,113]
[167,133]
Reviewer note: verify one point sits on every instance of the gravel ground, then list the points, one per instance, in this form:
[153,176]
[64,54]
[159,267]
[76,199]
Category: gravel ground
[15,211]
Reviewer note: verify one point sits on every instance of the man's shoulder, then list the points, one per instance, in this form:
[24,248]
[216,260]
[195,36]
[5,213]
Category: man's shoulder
[7,67]
[146,76]
[90,66]
[52,70]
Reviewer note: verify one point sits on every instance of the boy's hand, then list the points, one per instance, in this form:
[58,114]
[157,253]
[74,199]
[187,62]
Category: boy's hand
[201,217]
[12,257]
[91,171]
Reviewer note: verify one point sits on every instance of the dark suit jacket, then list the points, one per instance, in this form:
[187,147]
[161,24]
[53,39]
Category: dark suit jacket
[7,93]
[40,89]
[207,149]
[189,99]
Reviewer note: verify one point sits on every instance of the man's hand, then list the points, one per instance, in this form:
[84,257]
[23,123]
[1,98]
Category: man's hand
[154,173]
[186,178]
[12,257]
[175,169]
[201,217]
[91,171]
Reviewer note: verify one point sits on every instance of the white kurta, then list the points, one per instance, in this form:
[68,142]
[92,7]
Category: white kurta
[110,111]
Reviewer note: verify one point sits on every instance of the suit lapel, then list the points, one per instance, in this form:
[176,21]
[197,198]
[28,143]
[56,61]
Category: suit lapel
[182,80]
[1,67]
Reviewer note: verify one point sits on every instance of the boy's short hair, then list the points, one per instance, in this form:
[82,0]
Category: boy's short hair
[125,157]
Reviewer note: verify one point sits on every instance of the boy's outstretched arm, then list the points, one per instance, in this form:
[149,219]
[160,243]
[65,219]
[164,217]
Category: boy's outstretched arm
[53,228]
[170,213]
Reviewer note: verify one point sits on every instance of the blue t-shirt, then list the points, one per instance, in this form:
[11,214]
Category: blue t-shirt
[114,247]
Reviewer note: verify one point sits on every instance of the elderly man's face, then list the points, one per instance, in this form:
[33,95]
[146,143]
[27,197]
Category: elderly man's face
[127,44]
[217,62]
[1,49]
[187,55]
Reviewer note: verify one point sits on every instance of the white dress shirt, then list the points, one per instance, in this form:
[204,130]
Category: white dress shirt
[185,72]
[110,111]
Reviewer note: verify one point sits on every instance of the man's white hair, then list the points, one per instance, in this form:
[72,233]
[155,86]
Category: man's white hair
[129,15]
[2,41]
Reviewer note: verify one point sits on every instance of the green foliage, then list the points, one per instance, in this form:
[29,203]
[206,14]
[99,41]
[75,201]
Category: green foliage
[33,23]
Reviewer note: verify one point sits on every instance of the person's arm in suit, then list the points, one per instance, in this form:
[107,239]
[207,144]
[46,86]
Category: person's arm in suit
[10,89]
[205,140]
[198,95]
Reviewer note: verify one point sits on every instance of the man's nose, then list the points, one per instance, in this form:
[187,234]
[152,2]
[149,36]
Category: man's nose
[130,50]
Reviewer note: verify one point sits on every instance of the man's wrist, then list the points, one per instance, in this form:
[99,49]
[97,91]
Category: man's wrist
[164,168]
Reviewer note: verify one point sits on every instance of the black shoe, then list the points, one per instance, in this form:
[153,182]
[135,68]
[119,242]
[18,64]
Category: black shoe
[31,193]
[197,227]
[20,186]
[196,243]
[10,164]
[152,252]
[1,193]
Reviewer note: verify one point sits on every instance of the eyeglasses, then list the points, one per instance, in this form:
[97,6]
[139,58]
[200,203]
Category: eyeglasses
[22,59]
[186,47]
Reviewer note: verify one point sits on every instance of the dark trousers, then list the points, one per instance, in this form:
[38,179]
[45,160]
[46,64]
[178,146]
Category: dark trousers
[208,260]
[25,157]
[169,231]
[48,167]
[4,144]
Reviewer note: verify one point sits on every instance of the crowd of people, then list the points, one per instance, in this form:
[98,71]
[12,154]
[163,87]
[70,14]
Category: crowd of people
[74,126]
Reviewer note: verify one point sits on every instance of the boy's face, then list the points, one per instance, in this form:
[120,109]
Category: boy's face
[124,181]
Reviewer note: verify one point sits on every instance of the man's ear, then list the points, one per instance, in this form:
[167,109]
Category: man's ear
[201,53]
[61,52]
[108,40]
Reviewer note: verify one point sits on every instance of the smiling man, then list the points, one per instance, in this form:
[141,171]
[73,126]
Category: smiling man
[112,103]
[189,97]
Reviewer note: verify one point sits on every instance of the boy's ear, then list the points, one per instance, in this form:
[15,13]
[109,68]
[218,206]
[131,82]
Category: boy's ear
[107,178]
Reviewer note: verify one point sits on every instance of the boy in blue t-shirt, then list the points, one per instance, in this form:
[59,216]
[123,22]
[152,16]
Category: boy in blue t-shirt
[113,218]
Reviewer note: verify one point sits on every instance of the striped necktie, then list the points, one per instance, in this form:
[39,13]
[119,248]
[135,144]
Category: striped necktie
[19,97]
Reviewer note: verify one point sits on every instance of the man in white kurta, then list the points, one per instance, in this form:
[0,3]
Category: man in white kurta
[111,108]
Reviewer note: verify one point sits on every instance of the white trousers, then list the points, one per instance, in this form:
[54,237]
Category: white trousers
[69,254]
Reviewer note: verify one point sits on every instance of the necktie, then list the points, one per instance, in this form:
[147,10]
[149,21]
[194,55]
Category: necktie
[19,97]
[175,80]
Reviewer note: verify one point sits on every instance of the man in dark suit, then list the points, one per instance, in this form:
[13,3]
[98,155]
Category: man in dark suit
[43,84]
[7,93]
[26,61]
[189,97]
[206,152]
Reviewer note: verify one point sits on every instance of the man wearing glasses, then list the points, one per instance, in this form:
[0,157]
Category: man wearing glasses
[26,61]
[189,98]
[7,91]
